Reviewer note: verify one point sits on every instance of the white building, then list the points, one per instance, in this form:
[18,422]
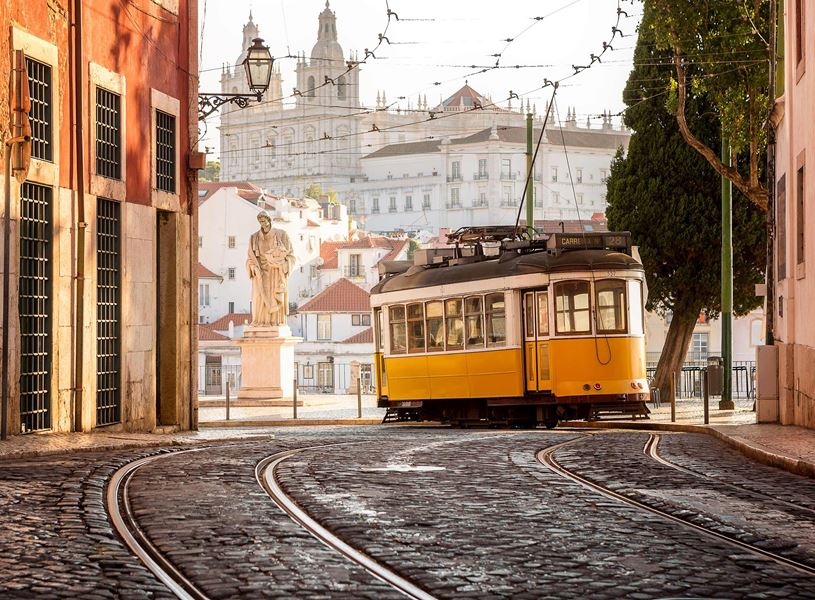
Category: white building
[358,260]
[228,217]
[479,179]
[319,136]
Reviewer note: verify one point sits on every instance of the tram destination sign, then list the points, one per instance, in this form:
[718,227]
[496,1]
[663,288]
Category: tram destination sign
[620,241]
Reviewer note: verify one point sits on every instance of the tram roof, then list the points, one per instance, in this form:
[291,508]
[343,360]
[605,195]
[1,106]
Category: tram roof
[508,265]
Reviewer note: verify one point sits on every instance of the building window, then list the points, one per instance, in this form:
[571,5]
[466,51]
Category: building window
[203,294]
[800,31]
[323,327]
[455,198]
[495,317]
[354,265]
[579,176]
[482,168]
[482,199]
[506,168]
[455,170]
[39,89]
[310,89]
[603,176]
[426,202]
[341,87]
[375,206]
[108,134]
[415,327]
[352,206]
[165,152]
[800,216]
[325,375]
[580,199]
[356,320]
[108,312]
[230,273]
[781,226]
[392,204]
[230,241]
[507,196]
[572,307]
[231,307]
[398,330]
[408,203]
[555,197]
[554,174]
[698,350]
[200,241]
[308,372]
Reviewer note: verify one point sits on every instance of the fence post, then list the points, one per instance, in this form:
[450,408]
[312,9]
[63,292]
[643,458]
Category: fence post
[227,399]
[706,396]
[359,397]
[673,397]
[294,400]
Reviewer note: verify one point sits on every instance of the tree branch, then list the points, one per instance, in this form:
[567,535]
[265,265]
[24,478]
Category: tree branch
[756,194]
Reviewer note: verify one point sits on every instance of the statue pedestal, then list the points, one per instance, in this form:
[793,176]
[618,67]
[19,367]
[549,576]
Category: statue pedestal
[267,365]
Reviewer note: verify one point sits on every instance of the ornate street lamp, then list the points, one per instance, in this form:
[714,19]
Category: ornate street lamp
[258,66]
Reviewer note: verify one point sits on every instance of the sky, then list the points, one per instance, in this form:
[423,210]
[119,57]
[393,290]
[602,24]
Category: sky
[434,44]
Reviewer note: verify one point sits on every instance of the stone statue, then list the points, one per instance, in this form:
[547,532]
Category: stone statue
[269,262]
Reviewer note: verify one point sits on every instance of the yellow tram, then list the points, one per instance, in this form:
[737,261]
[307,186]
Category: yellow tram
[509,331]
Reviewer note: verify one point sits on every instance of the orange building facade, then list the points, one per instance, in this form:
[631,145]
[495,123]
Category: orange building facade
[98,285]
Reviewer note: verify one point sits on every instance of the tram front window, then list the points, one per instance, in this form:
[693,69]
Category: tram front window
[454,323]
[496,319]
[572,307]
[474,322]
[610,298]
[398,331]
[415,327]
[435,327]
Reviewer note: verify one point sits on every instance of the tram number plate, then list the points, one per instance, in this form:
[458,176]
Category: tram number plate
[409,404]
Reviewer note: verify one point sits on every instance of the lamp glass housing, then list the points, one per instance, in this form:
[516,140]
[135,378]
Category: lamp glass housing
[258,65]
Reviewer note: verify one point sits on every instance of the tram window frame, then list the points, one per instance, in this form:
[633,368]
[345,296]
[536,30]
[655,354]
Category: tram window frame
[394,321]
[530,315]
[437,344]
[458,316]
[542,315]
[415,320]
[492,316]
[378,329]
[571,311]
[469,315]
[619,305]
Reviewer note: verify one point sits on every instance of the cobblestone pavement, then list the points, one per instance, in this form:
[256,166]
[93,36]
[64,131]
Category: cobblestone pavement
[464,514]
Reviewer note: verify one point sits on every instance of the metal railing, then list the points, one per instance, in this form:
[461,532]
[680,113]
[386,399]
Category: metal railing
[689,379]
[357,272]
[480,176]
[212,379]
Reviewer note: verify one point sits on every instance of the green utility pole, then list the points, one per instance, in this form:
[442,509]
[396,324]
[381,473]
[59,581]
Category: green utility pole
[530,218]
[726,403]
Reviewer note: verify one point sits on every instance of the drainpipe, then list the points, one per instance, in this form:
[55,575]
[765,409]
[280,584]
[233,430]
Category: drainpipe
[80,224]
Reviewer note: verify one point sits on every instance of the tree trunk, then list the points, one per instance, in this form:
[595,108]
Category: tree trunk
[673,354]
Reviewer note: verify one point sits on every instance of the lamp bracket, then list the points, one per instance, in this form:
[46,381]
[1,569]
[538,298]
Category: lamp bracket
[209,103]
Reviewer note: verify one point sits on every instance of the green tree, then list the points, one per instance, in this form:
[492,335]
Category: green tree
[668,196]
[212,172]
[313,191]
[717,49]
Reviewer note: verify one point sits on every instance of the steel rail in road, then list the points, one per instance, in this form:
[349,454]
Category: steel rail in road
[265,472]
[651,450]
[547,458]
[121,516]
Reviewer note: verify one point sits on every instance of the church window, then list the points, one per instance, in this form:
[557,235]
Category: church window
[341,87]
[554,174]
[310,88]
[579,175]
[231,273]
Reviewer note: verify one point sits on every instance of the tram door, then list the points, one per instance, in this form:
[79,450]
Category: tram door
[536,341]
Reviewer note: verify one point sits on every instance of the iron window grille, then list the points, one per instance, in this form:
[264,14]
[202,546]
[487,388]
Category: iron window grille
[165,152]
[108,312]
[40,91]
[108,134]
[34,304]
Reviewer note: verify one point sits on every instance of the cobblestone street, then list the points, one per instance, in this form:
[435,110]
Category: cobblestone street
[458,513]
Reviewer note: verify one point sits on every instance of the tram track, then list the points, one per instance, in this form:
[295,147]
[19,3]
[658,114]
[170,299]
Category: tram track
[266,475]
[124,522]
[547,458]
[651,449]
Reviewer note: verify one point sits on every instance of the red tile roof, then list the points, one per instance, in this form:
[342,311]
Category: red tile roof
[247,191]
[236,318]
[365,336]
[207,334]
[204,273]
[340,296]
[328,250]
[398,246]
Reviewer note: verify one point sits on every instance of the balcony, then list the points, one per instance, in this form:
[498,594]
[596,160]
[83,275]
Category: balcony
[480,176]
[454,177]
[454,204]
[354,272]
[481,204]
[509,176]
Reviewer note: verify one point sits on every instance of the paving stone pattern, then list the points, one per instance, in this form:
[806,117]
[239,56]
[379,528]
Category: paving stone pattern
[206,512]
[494,523]
[55,538]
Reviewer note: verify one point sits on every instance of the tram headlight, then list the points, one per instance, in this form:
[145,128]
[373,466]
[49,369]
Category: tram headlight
[598,387]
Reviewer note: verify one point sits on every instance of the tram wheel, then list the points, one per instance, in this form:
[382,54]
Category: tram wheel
[550,422]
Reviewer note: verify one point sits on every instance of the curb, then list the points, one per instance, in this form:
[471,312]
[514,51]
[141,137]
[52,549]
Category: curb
[793,465]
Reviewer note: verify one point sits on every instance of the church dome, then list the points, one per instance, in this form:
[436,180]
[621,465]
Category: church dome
[327,46]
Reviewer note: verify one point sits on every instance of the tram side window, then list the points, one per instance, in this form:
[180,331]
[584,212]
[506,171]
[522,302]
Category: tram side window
[396,315]
[611,309]
[454,324]
[378,328]
[529,314]
[572,307]
[415,327]
[435,326]
[495,311]
[474,322]
[543,313]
